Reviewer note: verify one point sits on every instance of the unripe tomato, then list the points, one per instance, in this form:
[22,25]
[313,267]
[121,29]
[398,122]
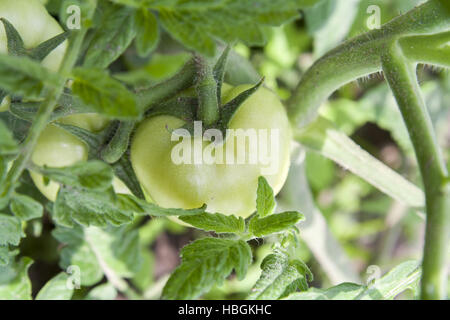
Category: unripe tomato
[58,148]
[35,25]
[225,188]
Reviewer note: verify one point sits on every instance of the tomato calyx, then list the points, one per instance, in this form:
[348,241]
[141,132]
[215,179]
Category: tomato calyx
[16,46]
[207,106]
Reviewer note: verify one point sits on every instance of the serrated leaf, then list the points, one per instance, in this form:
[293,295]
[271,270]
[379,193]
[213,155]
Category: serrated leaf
[112,36]
[10,230]
[216,222]
[6,255]
[14,281]
[279,277]
[265,200]
[8,145]
[56,289]
[207,262]
[114,252]
[274,223]
[95,175]
[403,277]
[89,208]
[147,32]
[228,20]
[23,76]
[104,94]
[26,208]
[130,203]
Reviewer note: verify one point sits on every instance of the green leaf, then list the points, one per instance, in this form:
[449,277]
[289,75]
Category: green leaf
[322,136]
[330,22]
[89,207]
[207,262]
[144,277]
[265,200]
[56,289]
[405,276]
[26,208]
[228,20]
[8,145]
[14,281]
[130,203]
[23,76]
[6,255]
[279,277]
[112,36]
[114,253]
[147,32]
[94,175]
[10,230]
[216,222]
[104,94]
[274,223]
[104,291]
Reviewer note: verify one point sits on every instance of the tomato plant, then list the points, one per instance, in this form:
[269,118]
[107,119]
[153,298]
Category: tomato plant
[125,125]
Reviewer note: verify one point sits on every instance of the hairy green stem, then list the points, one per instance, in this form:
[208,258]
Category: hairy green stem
[206,87]
[429,49]
[46,107]
[401,76]
[360,57]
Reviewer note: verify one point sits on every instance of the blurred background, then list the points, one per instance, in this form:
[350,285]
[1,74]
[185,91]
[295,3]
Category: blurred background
[369,228]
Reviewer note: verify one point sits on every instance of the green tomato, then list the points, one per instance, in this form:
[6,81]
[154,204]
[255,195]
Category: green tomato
[58,148]
[35,25]
[225,187]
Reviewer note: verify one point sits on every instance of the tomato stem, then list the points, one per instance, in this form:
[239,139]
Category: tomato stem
[206,87]
[360,57]
[401,76]
[420,32]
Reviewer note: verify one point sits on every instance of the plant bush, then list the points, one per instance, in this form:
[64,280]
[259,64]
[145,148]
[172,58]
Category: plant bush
[93,90]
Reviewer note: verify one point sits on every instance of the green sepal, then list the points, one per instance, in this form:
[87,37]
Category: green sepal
[124,171]
[93,141]
[45,48]
[122,168]
[228,111]
[219,71]
[183,108]
[118,145]
[16,47]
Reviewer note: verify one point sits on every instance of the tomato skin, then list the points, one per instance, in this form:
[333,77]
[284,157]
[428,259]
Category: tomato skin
[225,188]
[58,148]
[35,25]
